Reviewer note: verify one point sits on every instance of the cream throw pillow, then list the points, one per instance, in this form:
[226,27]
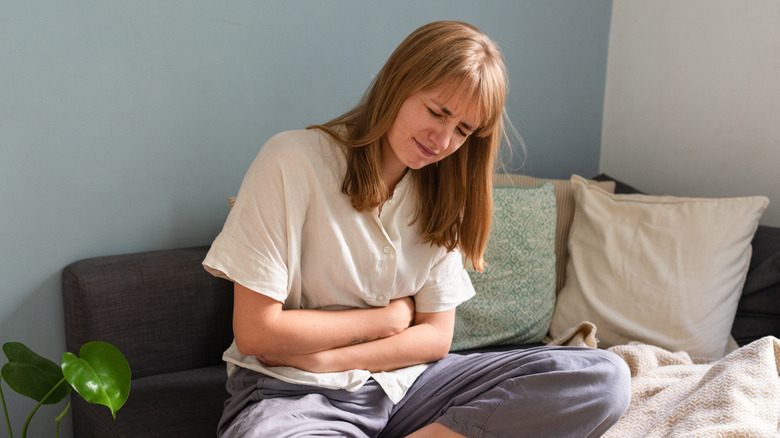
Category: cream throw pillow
[662,270]
[564,198]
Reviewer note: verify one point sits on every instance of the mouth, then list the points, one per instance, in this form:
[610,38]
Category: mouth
[425,151]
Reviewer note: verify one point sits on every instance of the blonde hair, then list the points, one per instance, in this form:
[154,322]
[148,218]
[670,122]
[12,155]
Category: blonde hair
[462,57]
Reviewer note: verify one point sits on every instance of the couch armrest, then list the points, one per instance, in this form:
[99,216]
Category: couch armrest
[160,308]
[758,313]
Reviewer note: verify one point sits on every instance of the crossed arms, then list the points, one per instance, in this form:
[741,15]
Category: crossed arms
[374,339]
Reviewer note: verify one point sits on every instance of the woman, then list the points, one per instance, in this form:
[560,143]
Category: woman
[346,247]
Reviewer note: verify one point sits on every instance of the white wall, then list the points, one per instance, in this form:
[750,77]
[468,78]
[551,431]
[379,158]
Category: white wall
[692,105]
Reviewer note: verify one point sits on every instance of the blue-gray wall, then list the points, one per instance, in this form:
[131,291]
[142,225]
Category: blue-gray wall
[125,125]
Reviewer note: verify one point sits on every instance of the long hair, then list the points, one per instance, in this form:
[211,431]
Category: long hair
[454,206]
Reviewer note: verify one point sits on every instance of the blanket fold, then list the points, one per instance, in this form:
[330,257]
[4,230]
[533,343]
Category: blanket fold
[581,335]
[737,396]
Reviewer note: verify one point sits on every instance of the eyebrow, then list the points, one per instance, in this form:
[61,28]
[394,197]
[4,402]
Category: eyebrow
[447,111]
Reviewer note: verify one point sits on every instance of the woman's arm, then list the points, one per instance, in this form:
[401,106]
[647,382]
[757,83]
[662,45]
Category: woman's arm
[428,340]
[260,326]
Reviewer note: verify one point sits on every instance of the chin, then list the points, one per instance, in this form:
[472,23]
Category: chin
[419,166]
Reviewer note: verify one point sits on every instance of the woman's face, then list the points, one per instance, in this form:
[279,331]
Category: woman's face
[431,125]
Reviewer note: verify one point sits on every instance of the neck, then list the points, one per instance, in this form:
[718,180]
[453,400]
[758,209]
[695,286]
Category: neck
[392,168]
[391,179]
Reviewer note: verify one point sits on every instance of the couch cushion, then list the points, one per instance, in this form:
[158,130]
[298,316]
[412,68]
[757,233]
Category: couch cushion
[181,404]
[667,271]
[160,308]
[620,186]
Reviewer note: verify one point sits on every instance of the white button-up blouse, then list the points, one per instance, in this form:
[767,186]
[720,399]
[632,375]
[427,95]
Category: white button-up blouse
[294,236]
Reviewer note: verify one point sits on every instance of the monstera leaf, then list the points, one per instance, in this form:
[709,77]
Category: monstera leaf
[101,374]
[32,375]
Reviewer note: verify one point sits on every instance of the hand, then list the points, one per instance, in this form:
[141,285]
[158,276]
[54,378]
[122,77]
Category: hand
[401,313]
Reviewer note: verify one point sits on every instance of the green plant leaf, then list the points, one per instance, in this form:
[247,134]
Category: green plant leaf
[101,375]
[32,375]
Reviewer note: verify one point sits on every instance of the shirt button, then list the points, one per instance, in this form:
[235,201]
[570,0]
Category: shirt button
[380,298]
[386,250]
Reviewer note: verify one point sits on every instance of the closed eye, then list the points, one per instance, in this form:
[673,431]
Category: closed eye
[439,116]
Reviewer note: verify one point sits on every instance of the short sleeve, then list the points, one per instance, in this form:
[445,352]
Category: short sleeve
[448,285]
[258,239]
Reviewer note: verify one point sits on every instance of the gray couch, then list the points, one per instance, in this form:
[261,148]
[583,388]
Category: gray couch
[172,320]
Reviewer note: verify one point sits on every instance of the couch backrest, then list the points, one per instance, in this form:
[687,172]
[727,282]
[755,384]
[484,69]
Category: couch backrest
[160,308]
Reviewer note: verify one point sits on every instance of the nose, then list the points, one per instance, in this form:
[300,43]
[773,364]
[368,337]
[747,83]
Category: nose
[441,136]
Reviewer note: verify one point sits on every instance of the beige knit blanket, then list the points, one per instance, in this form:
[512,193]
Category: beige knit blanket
[671,396]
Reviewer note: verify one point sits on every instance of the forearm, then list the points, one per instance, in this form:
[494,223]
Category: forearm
[416,345]
[309,331]
[428,340]
[261,326]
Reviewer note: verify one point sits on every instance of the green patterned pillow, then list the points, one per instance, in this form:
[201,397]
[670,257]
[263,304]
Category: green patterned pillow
[516,293]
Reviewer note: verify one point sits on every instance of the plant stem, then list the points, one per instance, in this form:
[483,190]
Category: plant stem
[60,417]
[27,423]
[5,409]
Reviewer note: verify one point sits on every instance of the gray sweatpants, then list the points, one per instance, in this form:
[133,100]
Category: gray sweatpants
[535,392]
